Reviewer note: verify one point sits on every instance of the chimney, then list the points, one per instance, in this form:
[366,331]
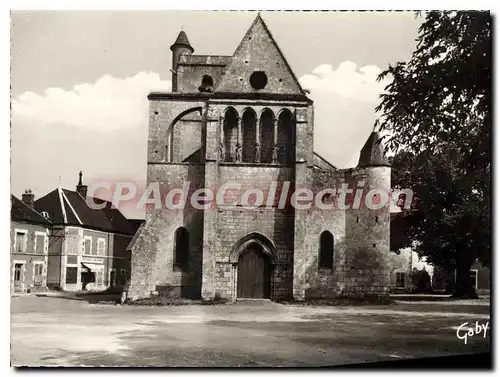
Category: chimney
[81,188]
[28,198]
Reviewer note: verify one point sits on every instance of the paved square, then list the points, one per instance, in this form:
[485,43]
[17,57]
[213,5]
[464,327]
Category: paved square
[55,331]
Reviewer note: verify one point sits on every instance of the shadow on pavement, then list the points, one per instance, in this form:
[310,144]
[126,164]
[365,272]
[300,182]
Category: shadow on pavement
[105,297]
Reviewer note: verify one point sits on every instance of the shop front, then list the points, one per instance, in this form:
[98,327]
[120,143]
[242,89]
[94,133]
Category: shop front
[92,274]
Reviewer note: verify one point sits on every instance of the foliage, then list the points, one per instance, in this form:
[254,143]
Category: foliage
[437,113]
[442,95]
[421,281]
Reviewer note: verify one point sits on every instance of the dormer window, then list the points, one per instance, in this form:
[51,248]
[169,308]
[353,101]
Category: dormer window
[207,84]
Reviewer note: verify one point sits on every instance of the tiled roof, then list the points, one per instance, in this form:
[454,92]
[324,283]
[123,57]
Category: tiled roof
[21,212]
[70,208]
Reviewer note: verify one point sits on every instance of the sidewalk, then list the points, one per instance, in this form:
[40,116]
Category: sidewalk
[439,299]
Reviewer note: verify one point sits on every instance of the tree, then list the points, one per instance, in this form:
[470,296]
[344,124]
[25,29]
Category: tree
[421,281]
[436,110]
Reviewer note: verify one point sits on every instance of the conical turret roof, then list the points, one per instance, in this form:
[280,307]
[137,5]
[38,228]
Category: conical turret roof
[182,40]
[372,153]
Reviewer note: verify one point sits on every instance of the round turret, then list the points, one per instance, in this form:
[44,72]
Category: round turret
[180,47]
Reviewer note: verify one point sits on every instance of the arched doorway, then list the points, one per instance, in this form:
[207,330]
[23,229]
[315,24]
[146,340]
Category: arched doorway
[254,272]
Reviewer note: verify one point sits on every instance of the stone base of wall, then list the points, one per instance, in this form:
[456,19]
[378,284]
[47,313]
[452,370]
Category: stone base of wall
[225,280]
[137,291]
[178,291]
[226,289]
[483,291]
[282,282]
[54,286]
[36,289]
[318,293]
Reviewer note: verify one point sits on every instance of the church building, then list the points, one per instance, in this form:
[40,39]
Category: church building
[244,121]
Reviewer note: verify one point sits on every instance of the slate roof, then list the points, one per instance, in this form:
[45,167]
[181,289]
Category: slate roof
[66,207]
[19,211]
[183,40]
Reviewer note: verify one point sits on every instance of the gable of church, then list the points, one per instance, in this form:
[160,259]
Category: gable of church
[258,66]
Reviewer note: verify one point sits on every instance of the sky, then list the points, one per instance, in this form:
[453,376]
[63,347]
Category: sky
[79,81]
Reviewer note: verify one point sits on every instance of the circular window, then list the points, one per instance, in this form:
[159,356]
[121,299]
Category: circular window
[258,80]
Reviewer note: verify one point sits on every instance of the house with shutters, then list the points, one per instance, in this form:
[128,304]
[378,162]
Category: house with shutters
[29,235]
[87,248]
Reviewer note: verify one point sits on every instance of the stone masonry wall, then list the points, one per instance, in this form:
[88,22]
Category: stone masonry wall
[257,52]
[152,256]
[235,222]
[224,227]
[162,115]
[275,224]
[324,282]
[186,139]
[303,162]
[368,237]
[190,76]
[361,237]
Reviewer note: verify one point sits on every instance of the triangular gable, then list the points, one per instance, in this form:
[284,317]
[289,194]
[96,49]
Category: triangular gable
[258,51]
[106,218]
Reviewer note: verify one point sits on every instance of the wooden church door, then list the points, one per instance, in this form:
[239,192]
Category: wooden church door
[254,273]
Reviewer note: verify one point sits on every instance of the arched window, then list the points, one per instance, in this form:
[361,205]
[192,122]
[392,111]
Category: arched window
[326,250]
[181,249]
[266,136]
[230,130]
[249,134]
[207,84]
[184,135]
[286,138]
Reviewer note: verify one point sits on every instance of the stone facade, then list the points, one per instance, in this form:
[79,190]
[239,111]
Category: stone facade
[244,120]
[72,250]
